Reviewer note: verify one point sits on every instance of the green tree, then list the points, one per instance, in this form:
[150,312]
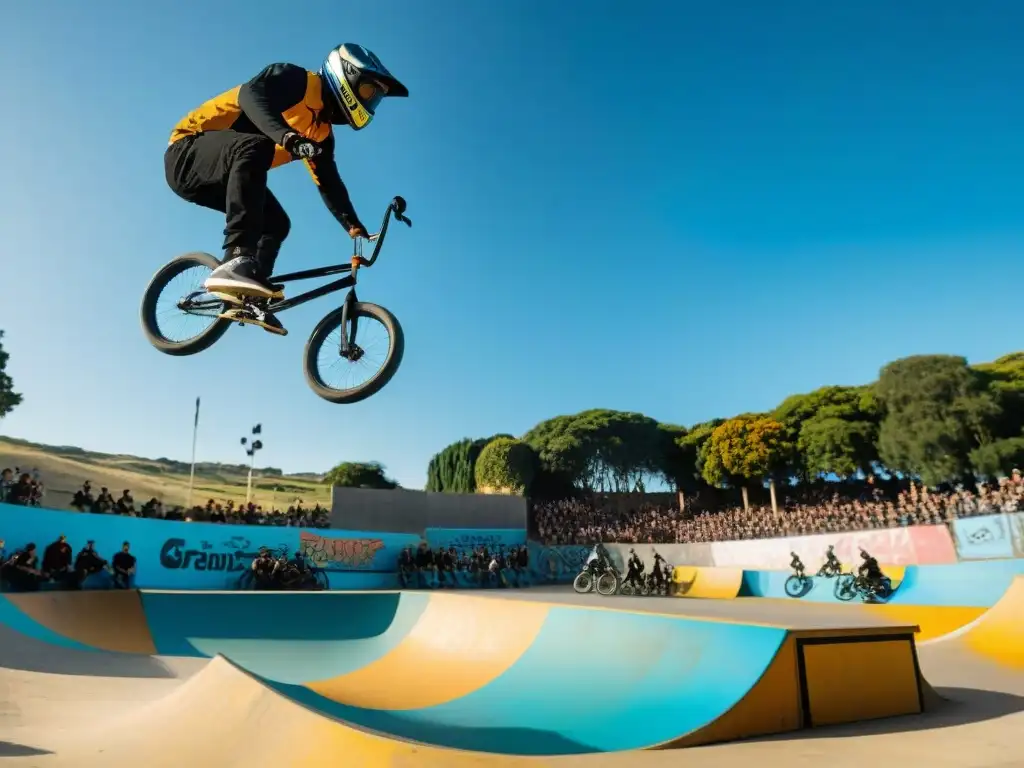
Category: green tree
[8,397]
[829,426]
[601,449]
[354,474]
[452,469]
[998,458]
[506,464]
[745,450]
[938,410]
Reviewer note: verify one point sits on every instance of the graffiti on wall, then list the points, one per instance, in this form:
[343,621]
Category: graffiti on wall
[335,553]
[556,564]
[234,554]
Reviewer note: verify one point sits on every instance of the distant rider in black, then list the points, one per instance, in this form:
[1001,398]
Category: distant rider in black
[657,572]
[263,567]
[797,565]
[832,564]
[634,569]
[871,572]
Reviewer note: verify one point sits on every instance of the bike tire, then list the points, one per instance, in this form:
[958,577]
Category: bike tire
[396,350]
[157,284]
[607,584]
[583,583]
[795,586]
[626,589]
[845,588]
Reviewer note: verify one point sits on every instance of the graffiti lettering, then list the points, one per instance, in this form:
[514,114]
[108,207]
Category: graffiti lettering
[338,554]
[174,555]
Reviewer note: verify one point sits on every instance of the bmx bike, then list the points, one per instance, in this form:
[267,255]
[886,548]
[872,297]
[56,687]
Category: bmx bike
[288,577]
[850,585]
[593,576]
[182,281]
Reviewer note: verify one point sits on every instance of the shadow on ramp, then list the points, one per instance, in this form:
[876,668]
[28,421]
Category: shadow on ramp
[18,651]
[958,706]
[10,749]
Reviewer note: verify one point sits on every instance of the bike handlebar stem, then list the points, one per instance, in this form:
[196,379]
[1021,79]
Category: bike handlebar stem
[396,207]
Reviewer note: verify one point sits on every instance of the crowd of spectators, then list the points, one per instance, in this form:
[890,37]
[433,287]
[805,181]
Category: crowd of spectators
[24,571]
[19,487]
[104,503]
[820,509]
[463,567]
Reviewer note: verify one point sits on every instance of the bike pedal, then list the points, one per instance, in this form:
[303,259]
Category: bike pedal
[228,298]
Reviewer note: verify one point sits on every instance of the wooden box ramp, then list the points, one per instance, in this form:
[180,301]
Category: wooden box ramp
[488,679]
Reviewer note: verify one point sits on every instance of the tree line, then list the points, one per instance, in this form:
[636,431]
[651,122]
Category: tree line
[931,418]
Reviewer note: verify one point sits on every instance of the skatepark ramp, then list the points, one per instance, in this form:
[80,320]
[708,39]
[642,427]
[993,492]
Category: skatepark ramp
[390,672]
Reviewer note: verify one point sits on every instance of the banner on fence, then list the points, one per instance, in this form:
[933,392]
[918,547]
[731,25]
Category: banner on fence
[470,538]
[918,545]
[989,537]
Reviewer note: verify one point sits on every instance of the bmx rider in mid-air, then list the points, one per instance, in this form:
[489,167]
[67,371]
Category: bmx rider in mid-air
[219,155]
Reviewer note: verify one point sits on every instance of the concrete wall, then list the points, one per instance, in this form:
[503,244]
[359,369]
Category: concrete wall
[402,511]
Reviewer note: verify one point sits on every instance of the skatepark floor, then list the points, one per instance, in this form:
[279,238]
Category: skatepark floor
[980,724]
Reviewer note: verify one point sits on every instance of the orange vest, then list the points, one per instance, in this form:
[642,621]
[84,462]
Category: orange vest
[221,112]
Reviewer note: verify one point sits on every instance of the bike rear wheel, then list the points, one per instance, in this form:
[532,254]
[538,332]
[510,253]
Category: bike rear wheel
[626,590]
[795,586]
[323,352]
[583,583]
[174,296]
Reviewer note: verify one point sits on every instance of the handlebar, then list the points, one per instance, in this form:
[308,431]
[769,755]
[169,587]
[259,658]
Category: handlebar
[397,208]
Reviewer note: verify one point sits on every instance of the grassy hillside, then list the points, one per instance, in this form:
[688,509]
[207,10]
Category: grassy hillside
[65,468]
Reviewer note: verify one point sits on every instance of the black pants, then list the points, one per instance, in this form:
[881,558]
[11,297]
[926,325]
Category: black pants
[227,171]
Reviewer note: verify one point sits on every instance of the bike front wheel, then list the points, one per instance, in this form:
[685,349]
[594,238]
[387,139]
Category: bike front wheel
[178,316]
[583,583]
[845,588]
[374,335]
[608,584]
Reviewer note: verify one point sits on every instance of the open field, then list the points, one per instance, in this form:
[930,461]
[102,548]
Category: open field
[65,468]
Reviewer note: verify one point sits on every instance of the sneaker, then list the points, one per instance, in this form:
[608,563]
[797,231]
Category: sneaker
[266,320]
[240,276]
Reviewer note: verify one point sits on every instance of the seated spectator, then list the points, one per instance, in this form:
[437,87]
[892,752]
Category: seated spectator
[104,503]
[21,572]
[125,505]
[88,563]
[123,567]
[23,492]
[6,483]
[57,562]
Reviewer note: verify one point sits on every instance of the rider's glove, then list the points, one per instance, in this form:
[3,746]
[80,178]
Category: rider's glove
[299,146]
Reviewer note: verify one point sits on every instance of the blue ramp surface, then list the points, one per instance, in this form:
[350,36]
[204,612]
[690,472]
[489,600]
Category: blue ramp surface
[650,678]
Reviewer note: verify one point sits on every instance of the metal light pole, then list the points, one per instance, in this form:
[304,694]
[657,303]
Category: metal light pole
[250,450]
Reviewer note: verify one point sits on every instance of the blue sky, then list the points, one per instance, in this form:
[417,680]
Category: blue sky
[688,209]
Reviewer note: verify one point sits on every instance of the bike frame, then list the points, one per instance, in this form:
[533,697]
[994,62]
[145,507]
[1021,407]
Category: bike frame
[396,207]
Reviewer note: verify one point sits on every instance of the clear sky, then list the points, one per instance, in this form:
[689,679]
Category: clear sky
[689,209]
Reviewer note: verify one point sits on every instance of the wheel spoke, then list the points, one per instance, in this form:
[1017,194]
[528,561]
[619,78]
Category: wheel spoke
[178,325]
[341,374]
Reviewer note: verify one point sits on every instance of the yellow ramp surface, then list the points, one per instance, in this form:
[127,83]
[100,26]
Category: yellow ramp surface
[458,646]
[715,583]
[999,634]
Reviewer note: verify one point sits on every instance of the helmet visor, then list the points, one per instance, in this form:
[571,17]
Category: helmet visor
[370,93]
